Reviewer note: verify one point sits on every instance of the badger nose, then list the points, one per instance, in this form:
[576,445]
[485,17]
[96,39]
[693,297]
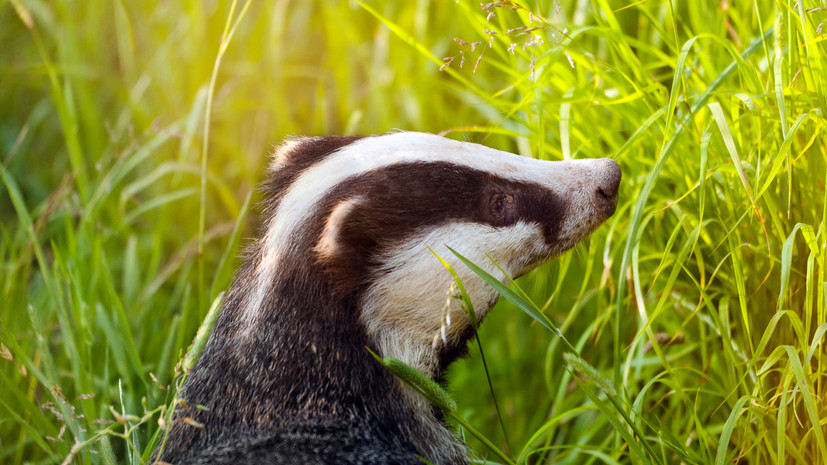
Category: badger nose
[607,180]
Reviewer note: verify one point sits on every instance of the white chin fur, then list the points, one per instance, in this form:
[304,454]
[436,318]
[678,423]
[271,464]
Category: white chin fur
[403,309]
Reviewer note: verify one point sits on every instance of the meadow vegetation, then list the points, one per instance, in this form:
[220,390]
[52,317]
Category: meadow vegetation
[688,329]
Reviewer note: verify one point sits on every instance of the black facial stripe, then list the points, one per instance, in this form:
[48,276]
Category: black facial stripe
[403,199]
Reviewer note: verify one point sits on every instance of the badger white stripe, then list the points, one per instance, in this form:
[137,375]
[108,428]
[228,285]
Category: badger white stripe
[300,204]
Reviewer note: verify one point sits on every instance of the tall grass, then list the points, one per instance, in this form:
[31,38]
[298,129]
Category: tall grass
[696,316]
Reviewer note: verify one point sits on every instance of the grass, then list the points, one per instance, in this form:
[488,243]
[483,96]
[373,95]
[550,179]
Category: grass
[693,322]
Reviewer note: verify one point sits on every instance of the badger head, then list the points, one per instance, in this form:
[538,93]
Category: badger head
[365,216]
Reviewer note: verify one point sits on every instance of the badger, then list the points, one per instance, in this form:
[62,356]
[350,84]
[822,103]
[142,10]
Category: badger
[346,265]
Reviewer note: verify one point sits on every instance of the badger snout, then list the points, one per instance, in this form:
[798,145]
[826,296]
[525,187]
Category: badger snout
[607,180]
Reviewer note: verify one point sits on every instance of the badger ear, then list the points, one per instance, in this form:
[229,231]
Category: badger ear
[301,152]
[344,246]
[330,242]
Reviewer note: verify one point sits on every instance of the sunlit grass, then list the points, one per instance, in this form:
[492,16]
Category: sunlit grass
[701,302]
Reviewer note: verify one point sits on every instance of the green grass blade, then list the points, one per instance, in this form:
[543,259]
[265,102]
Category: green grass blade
[729,426]
[618,426]
[513,297]
[718,114]
[805,387]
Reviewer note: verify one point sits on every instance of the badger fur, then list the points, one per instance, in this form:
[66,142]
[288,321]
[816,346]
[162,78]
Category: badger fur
[344,265]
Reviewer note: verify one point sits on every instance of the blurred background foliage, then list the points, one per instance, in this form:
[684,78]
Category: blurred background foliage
[701,301]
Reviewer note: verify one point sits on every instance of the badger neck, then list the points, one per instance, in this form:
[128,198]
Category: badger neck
[302,356]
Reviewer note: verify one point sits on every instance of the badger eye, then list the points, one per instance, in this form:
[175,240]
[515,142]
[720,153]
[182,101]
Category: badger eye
[500,203]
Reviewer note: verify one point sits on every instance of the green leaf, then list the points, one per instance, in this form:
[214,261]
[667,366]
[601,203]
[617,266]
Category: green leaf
[203,334]
[525,305]
[729,426]
[419,381]
[804,388]
[718,114]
